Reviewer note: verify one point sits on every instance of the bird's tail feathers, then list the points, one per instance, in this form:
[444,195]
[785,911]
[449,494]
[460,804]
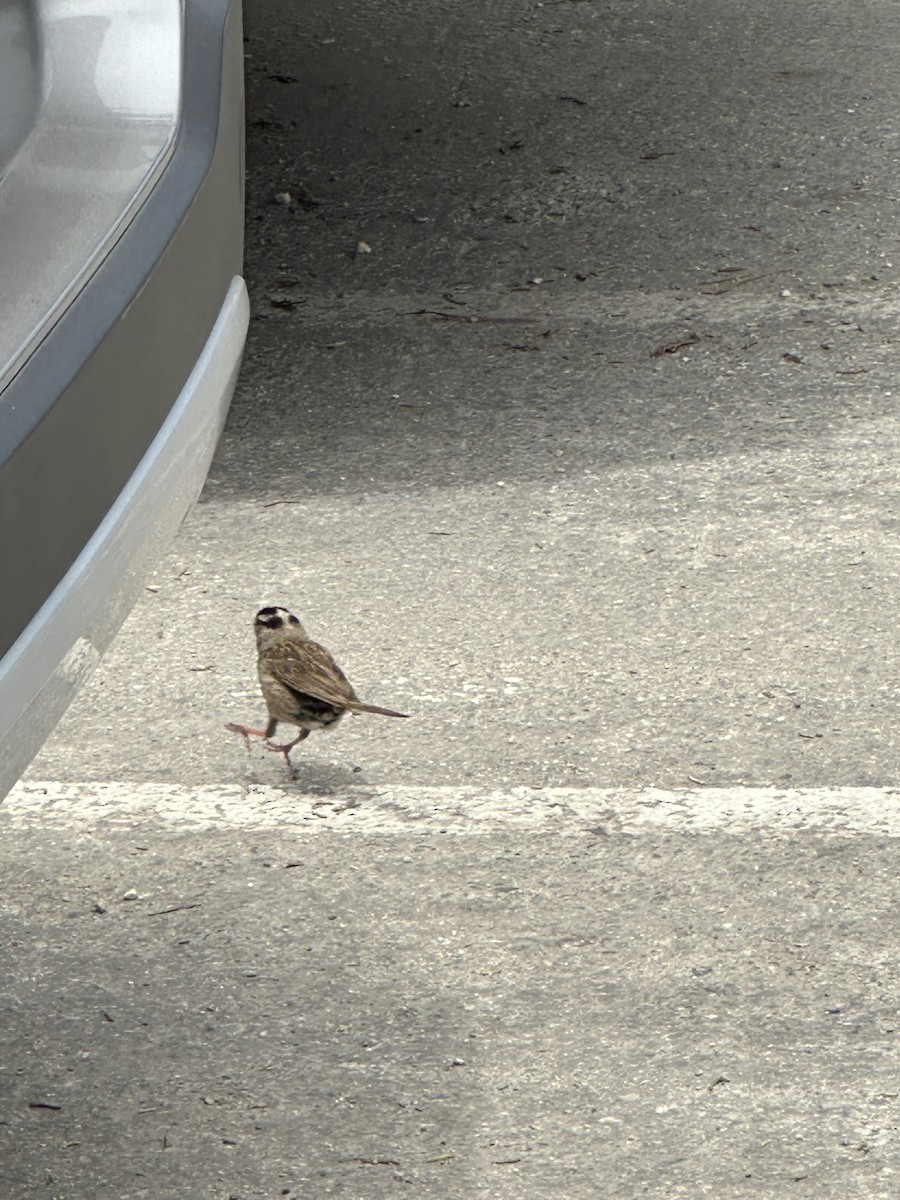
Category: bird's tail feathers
[374,708]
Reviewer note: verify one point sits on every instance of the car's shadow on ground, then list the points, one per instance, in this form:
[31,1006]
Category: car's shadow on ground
[492,277]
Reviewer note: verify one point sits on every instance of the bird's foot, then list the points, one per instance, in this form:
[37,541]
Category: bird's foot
[246,732]
[288,747]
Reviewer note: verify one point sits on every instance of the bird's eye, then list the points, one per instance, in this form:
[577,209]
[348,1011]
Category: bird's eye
[293,620]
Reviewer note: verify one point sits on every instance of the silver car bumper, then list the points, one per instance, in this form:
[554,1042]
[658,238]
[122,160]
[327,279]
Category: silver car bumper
[64,641]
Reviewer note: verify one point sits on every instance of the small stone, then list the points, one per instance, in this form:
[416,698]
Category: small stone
[285,199]
[130,895]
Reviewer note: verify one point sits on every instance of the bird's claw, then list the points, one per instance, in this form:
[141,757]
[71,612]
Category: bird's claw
[285,750]
[245,731]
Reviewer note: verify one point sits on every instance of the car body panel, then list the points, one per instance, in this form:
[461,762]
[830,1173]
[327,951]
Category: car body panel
[65,639]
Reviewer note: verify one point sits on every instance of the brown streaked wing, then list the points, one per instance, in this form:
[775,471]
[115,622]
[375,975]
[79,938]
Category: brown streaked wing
[308,668]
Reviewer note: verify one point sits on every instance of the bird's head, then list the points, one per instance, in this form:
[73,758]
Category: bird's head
[273,624]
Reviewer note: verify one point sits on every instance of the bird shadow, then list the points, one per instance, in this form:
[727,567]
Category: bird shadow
[328,780]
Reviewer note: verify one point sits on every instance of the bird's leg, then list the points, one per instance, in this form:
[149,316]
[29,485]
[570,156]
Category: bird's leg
[288,747]
[246,732]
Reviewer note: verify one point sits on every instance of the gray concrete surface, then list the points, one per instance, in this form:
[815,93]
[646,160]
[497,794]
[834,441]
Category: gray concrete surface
[568,423]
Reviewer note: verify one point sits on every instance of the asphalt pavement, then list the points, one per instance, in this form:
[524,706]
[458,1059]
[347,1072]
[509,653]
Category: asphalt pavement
[568,423]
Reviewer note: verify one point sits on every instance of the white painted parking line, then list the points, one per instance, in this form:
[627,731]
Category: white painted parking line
[773,812]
